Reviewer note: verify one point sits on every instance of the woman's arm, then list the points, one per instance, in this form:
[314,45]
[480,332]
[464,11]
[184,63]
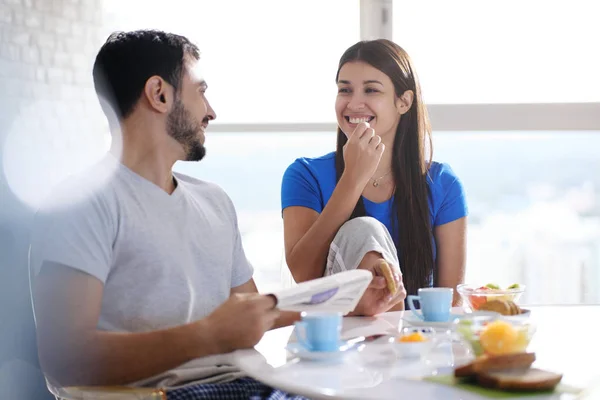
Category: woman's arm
[451,244]
[308,234]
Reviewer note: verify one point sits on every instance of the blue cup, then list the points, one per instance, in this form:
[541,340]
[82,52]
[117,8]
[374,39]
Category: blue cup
[319,331]
[436,304]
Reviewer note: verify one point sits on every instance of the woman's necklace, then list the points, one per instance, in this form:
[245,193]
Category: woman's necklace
[376,181]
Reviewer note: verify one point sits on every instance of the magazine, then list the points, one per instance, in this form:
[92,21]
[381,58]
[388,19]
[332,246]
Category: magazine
[335,293]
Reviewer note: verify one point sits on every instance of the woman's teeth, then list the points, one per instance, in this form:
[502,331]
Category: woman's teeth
[353,120]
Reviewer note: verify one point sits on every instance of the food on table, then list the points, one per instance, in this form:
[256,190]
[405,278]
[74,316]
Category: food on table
[504,307]
[413,337]
[531,379]
[386,270]
[492,286]
[465,328]
[495,363]
[476,297]
[508,372]
[500,337]
[495,337]
[477,300]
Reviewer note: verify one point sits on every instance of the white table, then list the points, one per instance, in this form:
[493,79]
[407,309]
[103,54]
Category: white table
[566,341]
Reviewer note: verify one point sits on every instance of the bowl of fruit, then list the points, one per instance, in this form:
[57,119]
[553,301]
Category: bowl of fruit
[495,335]
[475,297]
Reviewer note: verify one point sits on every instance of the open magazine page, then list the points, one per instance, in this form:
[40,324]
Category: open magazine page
[335,293]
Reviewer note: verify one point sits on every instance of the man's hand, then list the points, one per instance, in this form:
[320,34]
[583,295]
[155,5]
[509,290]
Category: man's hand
[241,321]
[377,298]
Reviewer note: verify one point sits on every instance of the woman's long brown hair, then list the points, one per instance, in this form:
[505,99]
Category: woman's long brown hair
[411,157]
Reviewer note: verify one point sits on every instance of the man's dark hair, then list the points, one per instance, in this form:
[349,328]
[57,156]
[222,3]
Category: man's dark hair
[128,59]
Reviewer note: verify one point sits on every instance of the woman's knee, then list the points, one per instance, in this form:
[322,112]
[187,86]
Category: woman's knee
[366,225]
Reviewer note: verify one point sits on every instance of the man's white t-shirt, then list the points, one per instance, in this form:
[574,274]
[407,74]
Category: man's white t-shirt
[165,260]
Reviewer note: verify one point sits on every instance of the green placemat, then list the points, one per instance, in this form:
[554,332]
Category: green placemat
[495,393]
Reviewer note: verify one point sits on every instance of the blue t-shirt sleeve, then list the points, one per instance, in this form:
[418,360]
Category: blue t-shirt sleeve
[454,202]
[299,187]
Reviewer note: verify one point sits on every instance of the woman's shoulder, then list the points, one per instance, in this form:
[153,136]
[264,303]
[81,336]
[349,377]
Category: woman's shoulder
[326,161]
[447,192]
[321,160]
[441,175]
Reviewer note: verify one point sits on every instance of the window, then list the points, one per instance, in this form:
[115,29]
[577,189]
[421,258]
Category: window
[534,212]
[474,52]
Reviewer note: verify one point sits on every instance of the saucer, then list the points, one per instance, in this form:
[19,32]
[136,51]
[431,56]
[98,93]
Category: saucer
[413,320]
[300,351]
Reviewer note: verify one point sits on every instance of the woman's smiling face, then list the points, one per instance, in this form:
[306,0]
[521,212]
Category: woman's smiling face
[366,94]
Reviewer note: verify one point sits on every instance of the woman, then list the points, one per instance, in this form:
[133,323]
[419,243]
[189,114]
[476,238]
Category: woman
[379,196]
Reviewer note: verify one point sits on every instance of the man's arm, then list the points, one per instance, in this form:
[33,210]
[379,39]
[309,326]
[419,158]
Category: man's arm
[285,318]
[73,351]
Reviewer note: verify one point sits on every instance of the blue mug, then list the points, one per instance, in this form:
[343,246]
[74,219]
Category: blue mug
[436,304]
[319,331]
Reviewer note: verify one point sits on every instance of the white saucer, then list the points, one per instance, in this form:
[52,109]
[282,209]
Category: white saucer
[413,320]
[300,351]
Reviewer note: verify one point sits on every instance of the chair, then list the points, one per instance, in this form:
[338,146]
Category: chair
[93,392]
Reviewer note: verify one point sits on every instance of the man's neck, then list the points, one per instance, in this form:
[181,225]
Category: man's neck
[145,154]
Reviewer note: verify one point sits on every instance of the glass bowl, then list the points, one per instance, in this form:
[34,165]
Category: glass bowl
[505,336]
[473,297]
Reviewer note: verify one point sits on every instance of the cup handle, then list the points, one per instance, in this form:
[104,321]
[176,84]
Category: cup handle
[411,304]
[300,327]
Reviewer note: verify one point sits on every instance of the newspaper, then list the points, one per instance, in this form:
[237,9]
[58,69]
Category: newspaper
[335,293]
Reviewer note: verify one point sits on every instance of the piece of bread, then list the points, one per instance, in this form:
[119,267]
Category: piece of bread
[487,363]
[499,306]
[465,371]
[519,379]
[386,271]
[514,308]
[503,307]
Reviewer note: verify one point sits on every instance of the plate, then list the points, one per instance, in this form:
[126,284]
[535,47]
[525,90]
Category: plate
[413,320]
[300,351]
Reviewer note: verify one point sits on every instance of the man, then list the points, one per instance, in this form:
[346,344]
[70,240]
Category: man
[140,275]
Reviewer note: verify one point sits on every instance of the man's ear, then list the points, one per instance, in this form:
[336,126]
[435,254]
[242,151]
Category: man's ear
[404,102]
[158,94]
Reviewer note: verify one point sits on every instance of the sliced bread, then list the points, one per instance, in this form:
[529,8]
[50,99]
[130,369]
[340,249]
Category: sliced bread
[519,379]
[495,363]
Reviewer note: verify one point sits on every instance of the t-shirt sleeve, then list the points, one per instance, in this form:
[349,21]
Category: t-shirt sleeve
[299,187]
[454,201]
[241,270]
[78,235]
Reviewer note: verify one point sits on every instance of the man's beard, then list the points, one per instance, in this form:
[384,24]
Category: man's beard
[184,128]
